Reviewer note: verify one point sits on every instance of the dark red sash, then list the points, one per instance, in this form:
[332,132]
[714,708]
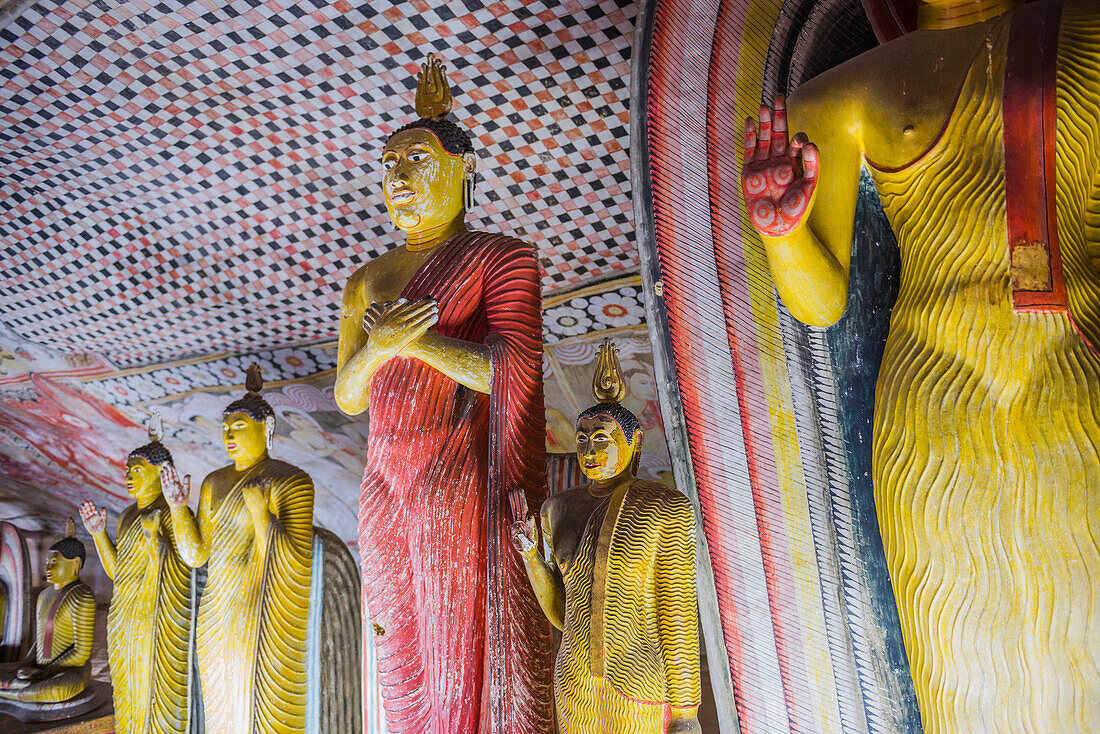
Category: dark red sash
[1030,136]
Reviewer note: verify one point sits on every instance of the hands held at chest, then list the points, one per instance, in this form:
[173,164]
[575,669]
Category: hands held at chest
[778,179]
[256,492]
[394,325]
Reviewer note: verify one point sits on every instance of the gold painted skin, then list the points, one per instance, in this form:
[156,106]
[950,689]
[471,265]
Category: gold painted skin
[621,587]
[149,621]
[423,190]
[254,529]
[986,421]
[61,672]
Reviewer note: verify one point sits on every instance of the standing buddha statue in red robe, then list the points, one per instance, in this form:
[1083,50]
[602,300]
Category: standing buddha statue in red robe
[441,339]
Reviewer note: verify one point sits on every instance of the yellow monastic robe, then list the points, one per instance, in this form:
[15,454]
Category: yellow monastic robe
[149,625]
[629,650]
[987,422]
[64,631]
[254,610]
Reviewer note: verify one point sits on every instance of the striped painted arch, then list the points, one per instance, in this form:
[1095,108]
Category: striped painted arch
[768,421]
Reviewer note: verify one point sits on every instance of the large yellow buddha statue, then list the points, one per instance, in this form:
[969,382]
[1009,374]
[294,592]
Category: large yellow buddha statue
[620,582]
[986,445]
[253,530]
[149,622]
[57,668]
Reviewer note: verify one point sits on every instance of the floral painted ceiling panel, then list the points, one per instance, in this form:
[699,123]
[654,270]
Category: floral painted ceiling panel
[188,178]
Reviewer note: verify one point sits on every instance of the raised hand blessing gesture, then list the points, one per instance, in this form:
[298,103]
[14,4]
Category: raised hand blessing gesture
[778,179]
[175,491]
[95,520]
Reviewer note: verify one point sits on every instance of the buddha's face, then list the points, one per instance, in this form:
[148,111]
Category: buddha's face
[61,570]
[142,479]
[245,438]
[602,449]
[422,182]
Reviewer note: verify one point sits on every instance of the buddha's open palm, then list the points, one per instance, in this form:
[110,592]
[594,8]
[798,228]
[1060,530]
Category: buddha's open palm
[95,520]
[176,490]
[525,534]
[777,179]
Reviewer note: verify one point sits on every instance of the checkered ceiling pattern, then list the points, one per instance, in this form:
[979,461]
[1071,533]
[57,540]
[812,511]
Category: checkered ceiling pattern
[182,178]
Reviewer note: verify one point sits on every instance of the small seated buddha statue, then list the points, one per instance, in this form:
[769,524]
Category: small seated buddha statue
[254,531]
[57,667]
[149,622]
[619,582]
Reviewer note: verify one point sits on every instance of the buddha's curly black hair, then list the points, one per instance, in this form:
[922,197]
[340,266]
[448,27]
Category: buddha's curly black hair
[453,138]
[627,421]
[253,405]
[71,548]
[155,453]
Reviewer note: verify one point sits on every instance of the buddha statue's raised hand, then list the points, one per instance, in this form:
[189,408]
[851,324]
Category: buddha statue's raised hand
[94,519]
[778,178]
[176,491]
[525,535]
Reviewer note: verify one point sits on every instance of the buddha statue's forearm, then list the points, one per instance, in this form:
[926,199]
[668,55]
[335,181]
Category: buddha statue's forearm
[808,277]
[548,587]
[352,388]
[464,362]
[192,546]
[108,554]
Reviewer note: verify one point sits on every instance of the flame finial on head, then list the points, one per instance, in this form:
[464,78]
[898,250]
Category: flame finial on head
[70,528]
[155,426]
[608,384]
[433,91]
[254,380]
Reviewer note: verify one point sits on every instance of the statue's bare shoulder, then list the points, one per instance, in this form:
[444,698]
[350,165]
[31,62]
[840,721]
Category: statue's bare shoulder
[382,278]
[894,99]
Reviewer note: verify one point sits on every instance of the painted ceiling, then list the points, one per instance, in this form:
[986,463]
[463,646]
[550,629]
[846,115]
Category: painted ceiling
[186,178]
[185,187]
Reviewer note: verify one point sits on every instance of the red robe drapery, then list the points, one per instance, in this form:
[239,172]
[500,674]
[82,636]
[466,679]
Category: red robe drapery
[458,632]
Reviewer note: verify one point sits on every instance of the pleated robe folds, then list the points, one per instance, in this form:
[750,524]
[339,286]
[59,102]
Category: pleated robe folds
[253,613]
[462,645]
[149,626]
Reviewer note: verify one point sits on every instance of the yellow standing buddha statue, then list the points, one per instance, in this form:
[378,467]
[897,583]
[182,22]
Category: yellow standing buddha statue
[254,530]
[57,668]
[149,622]
[620,581]
[986,442]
